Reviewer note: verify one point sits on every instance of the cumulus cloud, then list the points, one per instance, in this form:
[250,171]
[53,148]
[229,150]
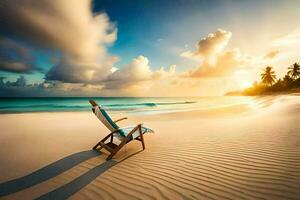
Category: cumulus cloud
[136,72]
[214,59]
[15,57]
[225,63]
[71,70]
[209,47]
[73,29]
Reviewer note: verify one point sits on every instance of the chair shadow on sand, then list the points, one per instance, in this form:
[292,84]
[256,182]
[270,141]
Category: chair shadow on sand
[56,168]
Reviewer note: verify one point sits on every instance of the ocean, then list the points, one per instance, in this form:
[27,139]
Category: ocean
[133,105]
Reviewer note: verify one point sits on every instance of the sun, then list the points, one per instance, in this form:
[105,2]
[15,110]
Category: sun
[246,85]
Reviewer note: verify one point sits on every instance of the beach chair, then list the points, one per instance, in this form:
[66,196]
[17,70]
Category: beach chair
[125,135]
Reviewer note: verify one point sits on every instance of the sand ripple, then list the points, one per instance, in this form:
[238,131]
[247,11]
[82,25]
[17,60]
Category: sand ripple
[202,172]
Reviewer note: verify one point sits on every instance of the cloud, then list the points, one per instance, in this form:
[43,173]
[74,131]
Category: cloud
[214,59]
[70,70]
[72,29]
[21,88]
[226,63]
[133,79]
[292,38]
[272,54]
[138,71]
[209,47]
[191,55]
[18,88]
[85,68]
[20,82]
[15,57]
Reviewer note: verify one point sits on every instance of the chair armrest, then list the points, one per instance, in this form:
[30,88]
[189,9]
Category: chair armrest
[120,119]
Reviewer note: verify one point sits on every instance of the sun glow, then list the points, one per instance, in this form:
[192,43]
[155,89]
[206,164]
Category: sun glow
[246,85]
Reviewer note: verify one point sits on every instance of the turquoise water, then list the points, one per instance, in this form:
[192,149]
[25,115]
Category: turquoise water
[125,104]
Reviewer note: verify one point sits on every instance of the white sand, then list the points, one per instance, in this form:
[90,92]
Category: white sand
[229,153]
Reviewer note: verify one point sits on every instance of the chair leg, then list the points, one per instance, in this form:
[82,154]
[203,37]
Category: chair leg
[95,147]
[110,156]
[103,140]
[117,149]
[114,152]
[143,144]
[142,137]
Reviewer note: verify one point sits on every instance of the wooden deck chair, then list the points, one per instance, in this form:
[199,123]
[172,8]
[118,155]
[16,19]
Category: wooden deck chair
[125,135]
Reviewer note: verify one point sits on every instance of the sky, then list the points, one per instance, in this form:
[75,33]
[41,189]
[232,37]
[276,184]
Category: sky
[143,47]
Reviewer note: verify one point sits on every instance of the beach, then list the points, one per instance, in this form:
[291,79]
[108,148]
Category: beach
[241,151]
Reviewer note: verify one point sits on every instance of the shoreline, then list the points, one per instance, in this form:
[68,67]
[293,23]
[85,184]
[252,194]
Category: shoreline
[158,109]
[282,93]
[210,111]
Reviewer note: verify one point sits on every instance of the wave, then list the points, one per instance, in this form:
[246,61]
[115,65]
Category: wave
[148,104]
[42,106]
[65,107]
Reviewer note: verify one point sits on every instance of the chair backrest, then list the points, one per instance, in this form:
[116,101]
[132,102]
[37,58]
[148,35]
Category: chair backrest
[106,120]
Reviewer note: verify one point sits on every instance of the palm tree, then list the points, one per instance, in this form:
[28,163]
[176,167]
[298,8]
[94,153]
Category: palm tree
[287,79]
[294,71]
[268,76]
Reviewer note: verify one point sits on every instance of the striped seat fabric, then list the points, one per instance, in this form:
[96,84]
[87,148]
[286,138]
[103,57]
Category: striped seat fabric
[126,130]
